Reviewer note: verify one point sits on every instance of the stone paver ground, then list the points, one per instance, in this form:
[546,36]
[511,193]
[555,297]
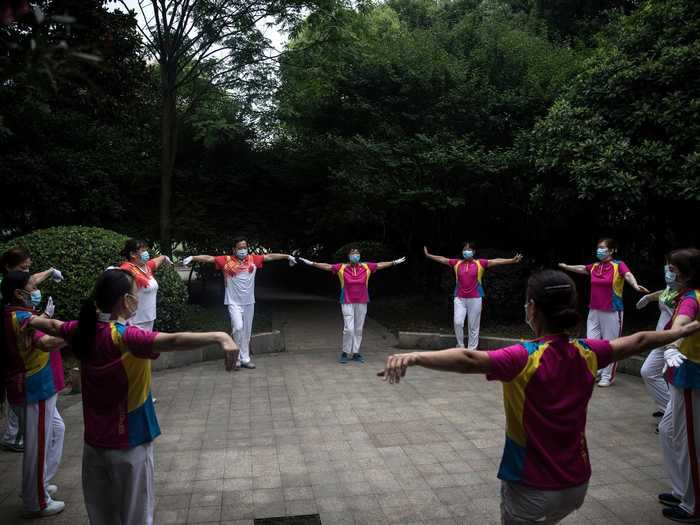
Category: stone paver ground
[303,434]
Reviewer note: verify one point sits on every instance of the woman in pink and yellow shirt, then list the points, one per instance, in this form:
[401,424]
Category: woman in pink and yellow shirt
[469,289]
[547,384]
[606,309]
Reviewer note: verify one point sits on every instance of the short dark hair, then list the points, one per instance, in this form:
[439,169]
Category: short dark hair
[131,246]
[12,282]
[609,242]
[353,249]
[238,239]
[13,258]
[687,260]
[555,295]
[470,244]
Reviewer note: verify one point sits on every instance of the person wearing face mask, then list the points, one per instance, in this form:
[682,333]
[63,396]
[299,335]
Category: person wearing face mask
[679,428]
[33,371]
[469,290]
[239,272]
[120,419]
[652,369]
[606,309]
[547,384]
[354,296]
[142,267]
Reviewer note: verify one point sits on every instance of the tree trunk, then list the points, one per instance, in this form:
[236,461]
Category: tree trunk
[168,137]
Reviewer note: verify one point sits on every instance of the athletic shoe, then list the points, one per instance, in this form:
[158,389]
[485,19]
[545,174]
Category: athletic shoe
[53,508]
[52,490]
[604,382]
[343,358]
[658,413]
[250,365]
[669,499]
[678,514]
[12,447]
[358,358]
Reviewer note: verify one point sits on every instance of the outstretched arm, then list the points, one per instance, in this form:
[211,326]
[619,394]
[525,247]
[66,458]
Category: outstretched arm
[629,277]
[190,340]
[157,261]
[49,343]
[502,262]
[575,268]
[321,266]
[43,324]
[648,298]
[624,347]
[437,258]
[389,264]
[462,360]
[279,257]
[40,277]
[198,258]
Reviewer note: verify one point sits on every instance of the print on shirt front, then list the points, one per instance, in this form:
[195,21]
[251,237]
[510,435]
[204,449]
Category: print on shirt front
[688,374]
[607,285]
[123,415]
[469,277]
[546,388]
[354,281]
[41,371]
[239,276]
[147,291]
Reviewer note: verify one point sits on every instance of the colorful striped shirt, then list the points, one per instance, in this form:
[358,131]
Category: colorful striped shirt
[468,277]
[116,386]
[688,374]
[354,281]
[547,384]
[32,373]
[607,284]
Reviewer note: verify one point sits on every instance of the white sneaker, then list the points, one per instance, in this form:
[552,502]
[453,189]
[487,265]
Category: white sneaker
[52,490]
[604,382]
[53,508]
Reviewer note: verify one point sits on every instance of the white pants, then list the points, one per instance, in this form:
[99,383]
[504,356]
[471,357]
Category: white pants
[471,310]
[605,325]
[521,504]
[146,325]
[118,485]
[679,432]
[654,365]
[353,323]
[13,434]
[242,327]
[43,447]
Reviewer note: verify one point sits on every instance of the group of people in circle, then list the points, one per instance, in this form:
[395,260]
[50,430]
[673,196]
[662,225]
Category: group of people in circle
[547,382]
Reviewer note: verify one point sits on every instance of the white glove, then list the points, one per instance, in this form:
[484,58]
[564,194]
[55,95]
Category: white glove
[167,260]
[399,261]
[56,275]
[187,260]
[306,261]
[50,307]
[644,301]
[292,260]
[673,358]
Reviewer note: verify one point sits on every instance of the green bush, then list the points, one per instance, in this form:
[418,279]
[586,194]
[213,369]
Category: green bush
[82,253]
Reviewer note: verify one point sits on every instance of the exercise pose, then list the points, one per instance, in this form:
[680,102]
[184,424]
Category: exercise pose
[354,295]
[33,370]
[120,421]
[469,289]
[547,384]
[606,309]
[652,369]
[139,263]
[680,425]
[239,272]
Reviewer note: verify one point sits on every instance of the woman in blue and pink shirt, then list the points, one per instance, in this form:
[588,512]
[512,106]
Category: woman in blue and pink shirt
[120,421]
[547,384]
[469,289]
[606,309]
[354,296]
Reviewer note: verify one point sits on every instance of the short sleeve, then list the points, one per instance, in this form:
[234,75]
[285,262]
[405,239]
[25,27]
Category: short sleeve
[140,342]
[220,262]
[452,262]
[484,263]
[506,363]
[152,265]
[688,306]
[68,329]
[372,266]
[258,260]
[602,349]
[589,268]
[336,268]
[623,269]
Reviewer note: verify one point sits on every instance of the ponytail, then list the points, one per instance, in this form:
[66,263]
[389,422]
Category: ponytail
[554,294]
[84,338]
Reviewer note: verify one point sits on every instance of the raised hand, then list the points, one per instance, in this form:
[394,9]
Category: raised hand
[518,257]
[56,275]
[292,260]
[50,307]
[187,260]
[399,261]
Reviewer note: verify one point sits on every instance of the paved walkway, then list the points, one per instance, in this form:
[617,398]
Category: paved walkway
[303,434]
